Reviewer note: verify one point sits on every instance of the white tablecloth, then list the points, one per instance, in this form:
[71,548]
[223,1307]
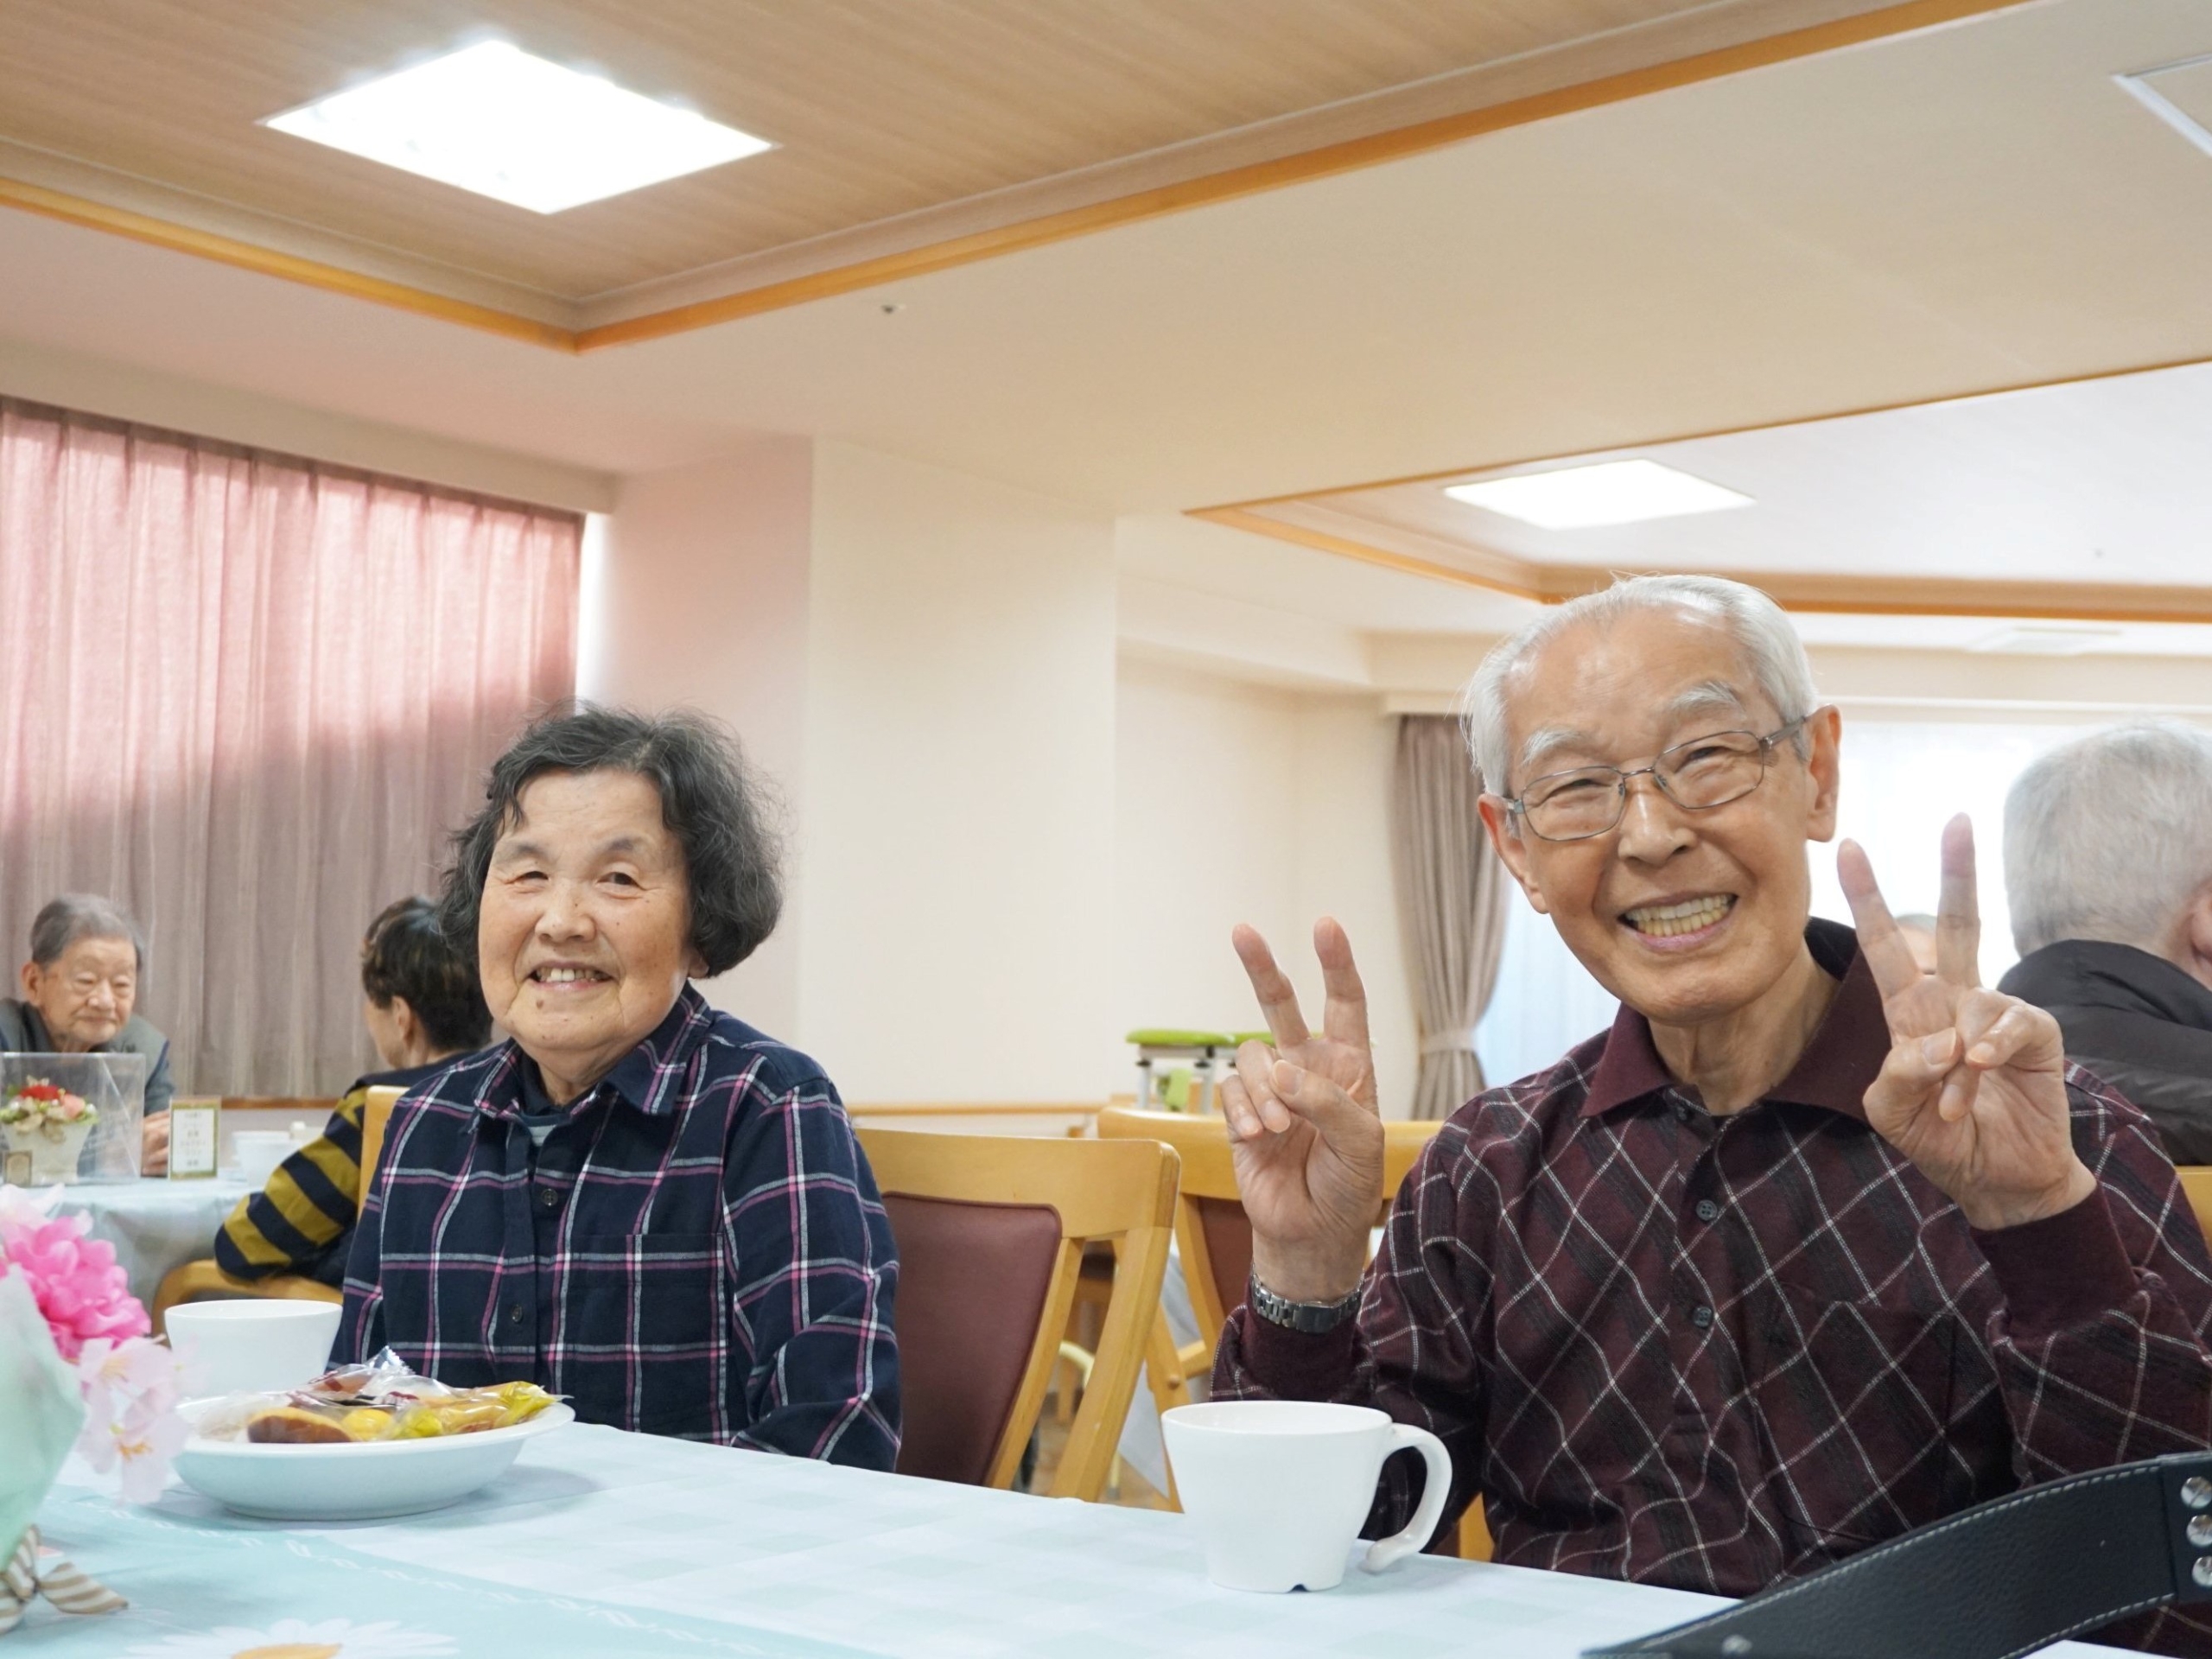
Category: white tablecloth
[155,1225]
[603,1543]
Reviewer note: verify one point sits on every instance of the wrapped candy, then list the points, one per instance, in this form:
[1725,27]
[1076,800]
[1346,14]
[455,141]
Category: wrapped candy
[384,1399]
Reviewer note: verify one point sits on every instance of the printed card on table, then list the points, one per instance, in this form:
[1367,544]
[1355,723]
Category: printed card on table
[194,1136]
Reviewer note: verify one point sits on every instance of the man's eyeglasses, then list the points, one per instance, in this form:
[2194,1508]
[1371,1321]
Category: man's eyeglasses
[1697,776]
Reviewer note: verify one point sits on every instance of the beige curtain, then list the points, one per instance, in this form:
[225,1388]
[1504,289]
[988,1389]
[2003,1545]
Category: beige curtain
[1451,898]
[247,696]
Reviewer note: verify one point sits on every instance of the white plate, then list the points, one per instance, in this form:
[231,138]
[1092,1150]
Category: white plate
[352,1483]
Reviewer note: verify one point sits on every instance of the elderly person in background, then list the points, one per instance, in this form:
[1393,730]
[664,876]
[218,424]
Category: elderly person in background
[423,1009]
[2108,870]
[637,1201]
[1810,1248]
[80,996]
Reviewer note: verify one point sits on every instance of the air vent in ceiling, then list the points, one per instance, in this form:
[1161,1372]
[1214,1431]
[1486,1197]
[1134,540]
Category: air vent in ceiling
[2047,640]
[2179,94]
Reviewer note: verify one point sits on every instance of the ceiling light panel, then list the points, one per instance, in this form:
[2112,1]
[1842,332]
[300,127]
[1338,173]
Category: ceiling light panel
[1608,492]
[494,119]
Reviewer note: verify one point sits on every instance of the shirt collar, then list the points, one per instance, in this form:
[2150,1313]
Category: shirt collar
[42,1040]
[649,1078]
[1834,1071]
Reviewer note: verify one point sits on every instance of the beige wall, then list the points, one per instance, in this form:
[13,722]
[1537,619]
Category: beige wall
[957,850]
[1237,802]
[695,594]
[924,663]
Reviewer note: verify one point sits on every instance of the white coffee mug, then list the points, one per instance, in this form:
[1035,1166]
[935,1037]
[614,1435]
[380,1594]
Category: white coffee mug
[233,1346]
[1279,1488]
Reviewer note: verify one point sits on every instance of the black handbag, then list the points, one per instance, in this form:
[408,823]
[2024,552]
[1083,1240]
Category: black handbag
[1995,1581]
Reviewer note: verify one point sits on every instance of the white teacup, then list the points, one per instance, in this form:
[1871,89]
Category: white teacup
[1279,1488]
[234,1346]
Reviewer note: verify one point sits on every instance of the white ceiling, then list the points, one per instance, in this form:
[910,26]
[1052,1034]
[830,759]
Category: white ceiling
[2106,480]
[1970,206]
[1974,206]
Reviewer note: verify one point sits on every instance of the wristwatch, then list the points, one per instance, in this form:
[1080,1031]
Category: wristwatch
[1312,1318]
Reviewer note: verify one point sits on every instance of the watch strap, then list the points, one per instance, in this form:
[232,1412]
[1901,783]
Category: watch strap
[1313,1319]
[1996,1581]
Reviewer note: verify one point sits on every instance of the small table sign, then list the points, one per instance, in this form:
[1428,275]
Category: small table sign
[194,1137]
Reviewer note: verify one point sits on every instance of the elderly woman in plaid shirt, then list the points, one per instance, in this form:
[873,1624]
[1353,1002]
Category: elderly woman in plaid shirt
[637,1201]
[1812,1247]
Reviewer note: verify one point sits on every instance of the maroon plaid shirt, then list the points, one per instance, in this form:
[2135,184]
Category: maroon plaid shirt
[697,1250]
[1711,1353]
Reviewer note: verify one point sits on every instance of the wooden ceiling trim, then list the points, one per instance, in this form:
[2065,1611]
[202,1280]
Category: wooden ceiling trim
[270,262]
[1842,595]
[1229,184]
[1306,166]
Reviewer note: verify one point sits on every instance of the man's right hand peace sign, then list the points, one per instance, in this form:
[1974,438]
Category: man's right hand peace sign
[1303,1123]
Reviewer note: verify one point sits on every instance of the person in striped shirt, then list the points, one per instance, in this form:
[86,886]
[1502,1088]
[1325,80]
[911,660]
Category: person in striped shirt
[424,1008]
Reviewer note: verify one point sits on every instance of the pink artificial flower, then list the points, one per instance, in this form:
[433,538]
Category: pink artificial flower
[74,1279]
[71,1108]
[145,1443]
[111,1374]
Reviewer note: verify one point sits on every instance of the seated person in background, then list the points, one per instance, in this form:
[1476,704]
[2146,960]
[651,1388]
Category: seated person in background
[2108,870]
[638,1201]
[80,995]
[1810,1248]
[1918,929]
[423,1009]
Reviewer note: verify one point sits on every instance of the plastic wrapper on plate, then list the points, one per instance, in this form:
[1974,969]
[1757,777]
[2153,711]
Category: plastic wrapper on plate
[381,1401]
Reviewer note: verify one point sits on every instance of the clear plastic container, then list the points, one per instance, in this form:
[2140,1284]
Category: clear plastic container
[49,1148]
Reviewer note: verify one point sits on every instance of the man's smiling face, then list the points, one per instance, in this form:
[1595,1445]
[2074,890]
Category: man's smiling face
[581,931]
[1684,915]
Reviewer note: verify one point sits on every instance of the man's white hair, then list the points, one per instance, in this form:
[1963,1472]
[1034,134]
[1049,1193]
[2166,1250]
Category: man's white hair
[1771,650]
[2110,837]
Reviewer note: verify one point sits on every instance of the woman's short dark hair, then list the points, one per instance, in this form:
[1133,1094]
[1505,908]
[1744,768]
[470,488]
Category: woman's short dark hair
[407,954]
[720,813]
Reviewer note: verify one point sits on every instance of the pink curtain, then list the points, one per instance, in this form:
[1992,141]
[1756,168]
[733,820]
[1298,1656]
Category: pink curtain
[248,696]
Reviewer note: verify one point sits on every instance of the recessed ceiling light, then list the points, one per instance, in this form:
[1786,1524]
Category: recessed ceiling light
[494,119]
[1608,492]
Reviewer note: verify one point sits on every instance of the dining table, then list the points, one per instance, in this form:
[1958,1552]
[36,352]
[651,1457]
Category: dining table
[606,1543]
[156,1223]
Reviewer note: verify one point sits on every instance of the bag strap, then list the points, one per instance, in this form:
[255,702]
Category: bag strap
[1996,1581]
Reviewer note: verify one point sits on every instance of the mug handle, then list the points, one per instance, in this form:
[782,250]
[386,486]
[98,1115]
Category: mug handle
[1435,1492]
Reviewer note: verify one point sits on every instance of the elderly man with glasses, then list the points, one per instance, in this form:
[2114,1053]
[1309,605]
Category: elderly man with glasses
[1810,1248]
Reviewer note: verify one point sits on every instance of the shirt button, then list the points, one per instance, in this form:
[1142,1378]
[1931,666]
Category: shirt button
[548,1197]
[1701,1316]
[514,1314]
[1682,1111]
[1707,1209]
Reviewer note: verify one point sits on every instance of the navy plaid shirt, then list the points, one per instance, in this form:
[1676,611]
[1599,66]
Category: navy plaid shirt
[1714,1352]
[697,1250]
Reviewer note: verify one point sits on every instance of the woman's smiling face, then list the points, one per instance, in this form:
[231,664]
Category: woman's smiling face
[582,932]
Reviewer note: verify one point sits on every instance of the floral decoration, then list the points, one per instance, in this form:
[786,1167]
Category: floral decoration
[39,1104]
[128,1380]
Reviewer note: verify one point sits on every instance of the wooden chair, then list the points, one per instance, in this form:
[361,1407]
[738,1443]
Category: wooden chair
[203,1281]
[2197,1187]
[1211,1234]
[991,1231]
[1215,1241]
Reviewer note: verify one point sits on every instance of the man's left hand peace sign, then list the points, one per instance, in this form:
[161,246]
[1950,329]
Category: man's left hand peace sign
[1973,1090]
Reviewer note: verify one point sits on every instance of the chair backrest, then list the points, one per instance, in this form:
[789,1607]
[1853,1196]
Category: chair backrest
[1212,1232]
[990,1230]
[376,1119]
[2197,1187]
